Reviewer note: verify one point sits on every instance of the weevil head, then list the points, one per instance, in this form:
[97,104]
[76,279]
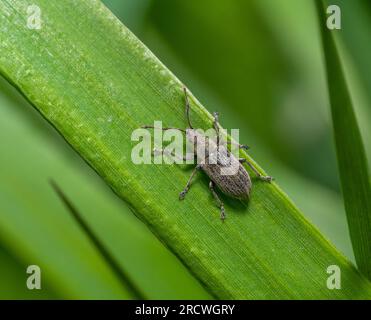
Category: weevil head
[195,139]
[191,134]
[195,136]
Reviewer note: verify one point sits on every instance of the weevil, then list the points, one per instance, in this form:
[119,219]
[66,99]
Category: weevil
[237,185]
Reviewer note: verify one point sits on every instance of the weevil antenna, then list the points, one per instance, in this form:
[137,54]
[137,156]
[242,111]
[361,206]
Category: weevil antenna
[187,107]
[163,129]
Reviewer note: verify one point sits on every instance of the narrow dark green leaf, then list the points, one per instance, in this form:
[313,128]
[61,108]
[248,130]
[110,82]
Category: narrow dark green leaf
[352,162]
[128,284]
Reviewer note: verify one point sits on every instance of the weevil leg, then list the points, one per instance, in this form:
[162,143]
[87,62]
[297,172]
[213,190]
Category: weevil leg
[216,128]
[163,129]
[241,146]
[163,152]
[260,176]
[188,185]
[187,107]
[216,125]
[216,121]
[220,203]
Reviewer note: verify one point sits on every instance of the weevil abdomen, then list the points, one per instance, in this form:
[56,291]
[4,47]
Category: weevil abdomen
[236,185]
[222,167]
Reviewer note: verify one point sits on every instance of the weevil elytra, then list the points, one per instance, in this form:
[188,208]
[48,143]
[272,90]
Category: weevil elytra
[237,185]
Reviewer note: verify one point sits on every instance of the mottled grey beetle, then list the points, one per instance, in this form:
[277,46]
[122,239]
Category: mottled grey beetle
[237,185]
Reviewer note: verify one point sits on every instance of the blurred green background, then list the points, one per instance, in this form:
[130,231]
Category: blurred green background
[258,63]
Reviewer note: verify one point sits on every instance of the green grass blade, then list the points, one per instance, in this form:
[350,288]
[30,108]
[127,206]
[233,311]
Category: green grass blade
[96,83]
[352,162]
[356,19]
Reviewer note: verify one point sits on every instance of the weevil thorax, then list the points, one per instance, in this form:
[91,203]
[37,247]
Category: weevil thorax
[205,146]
